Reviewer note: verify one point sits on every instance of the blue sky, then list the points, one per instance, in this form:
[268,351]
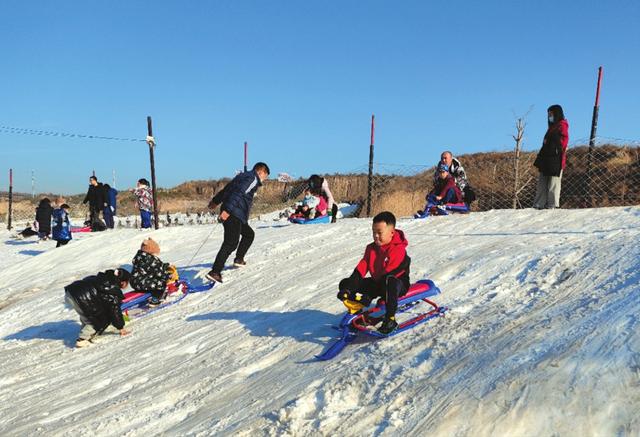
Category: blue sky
[299,81]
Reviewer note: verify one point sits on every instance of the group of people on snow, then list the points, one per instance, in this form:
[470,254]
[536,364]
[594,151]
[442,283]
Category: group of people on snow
[97,298]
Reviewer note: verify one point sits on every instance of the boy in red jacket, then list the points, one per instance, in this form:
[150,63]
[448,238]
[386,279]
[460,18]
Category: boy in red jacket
[387,261]
[445,190]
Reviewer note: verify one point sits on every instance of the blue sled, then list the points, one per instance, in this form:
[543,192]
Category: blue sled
[352,325]
[433,209]
[315,221]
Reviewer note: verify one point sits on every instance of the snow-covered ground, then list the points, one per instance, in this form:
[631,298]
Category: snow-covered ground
[542,337]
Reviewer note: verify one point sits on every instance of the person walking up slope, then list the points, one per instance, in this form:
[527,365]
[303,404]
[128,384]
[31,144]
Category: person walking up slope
[235,201]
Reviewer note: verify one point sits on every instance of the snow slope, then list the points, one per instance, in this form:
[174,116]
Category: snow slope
[542,337]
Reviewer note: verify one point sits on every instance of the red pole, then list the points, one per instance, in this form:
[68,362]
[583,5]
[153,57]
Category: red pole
[373,119]
[245,156]
[598,88]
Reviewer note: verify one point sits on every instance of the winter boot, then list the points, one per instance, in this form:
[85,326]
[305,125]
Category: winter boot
[239,262]
[214,276]
[388,326]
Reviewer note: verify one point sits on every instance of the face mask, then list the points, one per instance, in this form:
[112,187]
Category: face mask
[551,119]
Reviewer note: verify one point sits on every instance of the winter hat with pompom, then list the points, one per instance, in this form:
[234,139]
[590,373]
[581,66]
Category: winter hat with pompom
[150,246]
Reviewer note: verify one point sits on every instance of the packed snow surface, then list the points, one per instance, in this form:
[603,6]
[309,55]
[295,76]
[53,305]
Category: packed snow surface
[542,336]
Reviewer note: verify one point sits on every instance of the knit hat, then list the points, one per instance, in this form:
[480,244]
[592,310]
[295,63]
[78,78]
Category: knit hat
[443,167]
[122,274]
[150,246]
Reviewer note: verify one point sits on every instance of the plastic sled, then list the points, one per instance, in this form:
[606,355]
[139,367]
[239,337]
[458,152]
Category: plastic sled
[314,221]
[445,209]
[362,323]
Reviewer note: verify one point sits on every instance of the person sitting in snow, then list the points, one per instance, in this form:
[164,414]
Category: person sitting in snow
[313,205]
[387,262]
[321,186]
[150,274]
[444,191]
[61,231]
[97,301]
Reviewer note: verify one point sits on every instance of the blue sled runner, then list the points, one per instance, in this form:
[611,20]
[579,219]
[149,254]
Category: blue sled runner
[362,323]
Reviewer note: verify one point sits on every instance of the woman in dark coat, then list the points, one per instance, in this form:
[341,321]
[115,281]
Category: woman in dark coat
[43,217]
[552,159]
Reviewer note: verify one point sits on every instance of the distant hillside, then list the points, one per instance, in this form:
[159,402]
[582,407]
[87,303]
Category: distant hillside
[614,176]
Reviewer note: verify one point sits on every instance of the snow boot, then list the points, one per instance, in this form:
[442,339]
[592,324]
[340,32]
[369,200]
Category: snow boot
[214,276]
[388,326]
[239,262]
[83,342]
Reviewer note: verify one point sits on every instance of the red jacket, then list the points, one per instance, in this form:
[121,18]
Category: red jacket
[444,185]
[391,258]
[563,129]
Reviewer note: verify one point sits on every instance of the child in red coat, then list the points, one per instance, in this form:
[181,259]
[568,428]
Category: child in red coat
[387,262]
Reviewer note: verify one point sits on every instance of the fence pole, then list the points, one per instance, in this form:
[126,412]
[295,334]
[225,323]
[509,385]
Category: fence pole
[153,173]
[592,138]
[245,156]
[370,178]
[10,212]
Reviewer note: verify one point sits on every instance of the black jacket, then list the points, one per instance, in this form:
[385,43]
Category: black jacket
[43,217]
[96,196]
[149,273]
[99,297]
[237,196]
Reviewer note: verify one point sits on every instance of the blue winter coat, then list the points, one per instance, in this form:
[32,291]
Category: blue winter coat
[61,225]
[112,201]
[237,196]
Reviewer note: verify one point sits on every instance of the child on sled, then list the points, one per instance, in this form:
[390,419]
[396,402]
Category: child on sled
[445,191]
[313,205]
[150,274]
[387,262]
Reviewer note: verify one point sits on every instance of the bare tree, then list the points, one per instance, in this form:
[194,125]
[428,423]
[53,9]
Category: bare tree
[521,124]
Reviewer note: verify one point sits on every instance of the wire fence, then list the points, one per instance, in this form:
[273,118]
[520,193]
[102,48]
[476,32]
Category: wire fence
[608,175]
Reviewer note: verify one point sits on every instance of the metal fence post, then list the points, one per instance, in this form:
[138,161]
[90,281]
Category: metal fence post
[153,174]
[592,139]
[10,211]
[370,177]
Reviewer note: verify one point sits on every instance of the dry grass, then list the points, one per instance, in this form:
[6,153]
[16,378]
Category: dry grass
[615,180]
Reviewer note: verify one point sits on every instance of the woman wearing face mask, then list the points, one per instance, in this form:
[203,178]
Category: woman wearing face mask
[552,159]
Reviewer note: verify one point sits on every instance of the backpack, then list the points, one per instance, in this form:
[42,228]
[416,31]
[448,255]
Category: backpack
[469,195]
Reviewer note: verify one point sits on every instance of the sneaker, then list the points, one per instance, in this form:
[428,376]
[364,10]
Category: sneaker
[388,326]
[83,342]
[214,276]
[154,302]
[239,263]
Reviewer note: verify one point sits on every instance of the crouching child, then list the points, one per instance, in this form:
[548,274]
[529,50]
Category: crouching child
[150,274]
[387,262]
[61,229]
[97,301]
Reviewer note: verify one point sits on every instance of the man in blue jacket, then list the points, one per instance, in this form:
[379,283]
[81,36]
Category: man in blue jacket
[236,199]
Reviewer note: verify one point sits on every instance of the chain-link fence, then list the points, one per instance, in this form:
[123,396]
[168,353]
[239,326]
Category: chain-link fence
[606,175]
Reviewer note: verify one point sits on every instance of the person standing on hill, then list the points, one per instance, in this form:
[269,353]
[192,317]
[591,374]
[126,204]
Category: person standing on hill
[552,159]
[144,200]
[320,184]
[43,217]
[96,198]
[109,212]
[236,199]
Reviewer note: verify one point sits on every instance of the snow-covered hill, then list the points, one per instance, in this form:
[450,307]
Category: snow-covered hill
[542,337]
